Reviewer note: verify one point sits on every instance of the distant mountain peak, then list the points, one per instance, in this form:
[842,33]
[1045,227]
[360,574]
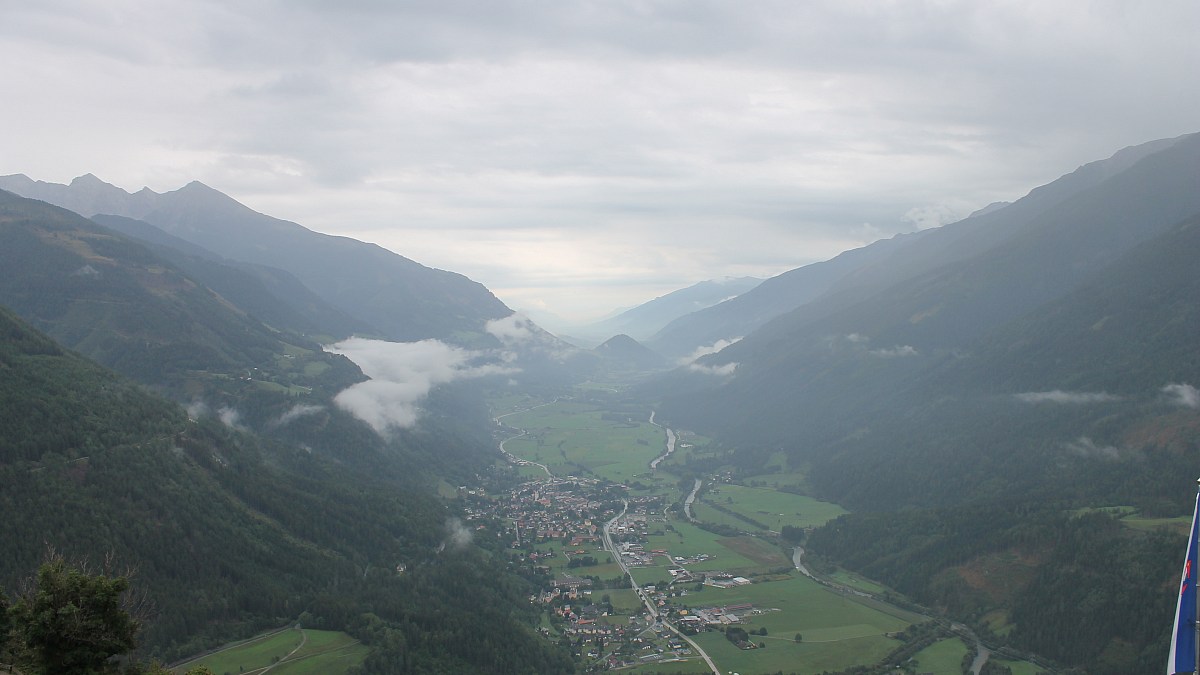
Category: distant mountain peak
[88,179]
[197,186]
[624,348]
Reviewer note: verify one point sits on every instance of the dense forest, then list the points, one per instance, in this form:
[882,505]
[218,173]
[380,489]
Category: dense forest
[229,533]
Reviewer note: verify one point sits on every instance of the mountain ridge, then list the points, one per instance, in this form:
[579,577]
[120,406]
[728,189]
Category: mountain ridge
[403,299]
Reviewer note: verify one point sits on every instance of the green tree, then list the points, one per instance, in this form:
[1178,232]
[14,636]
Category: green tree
[4,625]
[72,621]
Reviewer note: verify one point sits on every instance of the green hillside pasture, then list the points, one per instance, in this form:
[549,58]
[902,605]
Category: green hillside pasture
[773,508]
[943,657]
[322,652]
[839,631]
[1178,524]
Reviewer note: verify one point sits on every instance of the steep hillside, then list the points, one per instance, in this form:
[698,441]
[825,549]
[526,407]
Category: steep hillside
[778,295]
[271,295]
[403,299]
[976,414]
[858,275]
[228,534]
[837,359]
[117,302]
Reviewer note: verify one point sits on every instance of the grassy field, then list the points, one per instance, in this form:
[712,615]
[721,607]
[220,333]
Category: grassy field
[1178,524]
[854,581]
[573,439]
[773,508]
[839,631]
[942,658]
[783,654]
[322,652]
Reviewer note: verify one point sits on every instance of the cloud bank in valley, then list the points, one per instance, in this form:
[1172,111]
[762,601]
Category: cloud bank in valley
[724,370]
[1183,395]
[402,375]
[705,350]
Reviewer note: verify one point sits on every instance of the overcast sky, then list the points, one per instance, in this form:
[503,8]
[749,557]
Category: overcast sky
[580,156]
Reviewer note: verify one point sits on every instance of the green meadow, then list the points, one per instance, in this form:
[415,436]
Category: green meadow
[294,651]
[574,439]
[838,631]
[943,657]
[855,581]
[771,507]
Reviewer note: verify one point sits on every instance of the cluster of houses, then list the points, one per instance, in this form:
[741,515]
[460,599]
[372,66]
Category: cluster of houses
[555,509]
[716,617]
[568,514]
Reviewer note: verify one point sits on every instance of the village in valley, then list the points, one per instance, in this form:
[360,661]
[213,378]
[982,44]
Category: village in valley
[648,551]
[554,530]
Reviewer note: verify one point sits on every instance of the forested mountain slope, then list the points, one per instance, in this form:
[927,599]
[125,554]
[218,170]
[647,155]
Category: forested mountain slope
[402,299]
[119,303]
[973,415]
[228,534]
[230,531]
[830,362]
[272,295]
[860,274]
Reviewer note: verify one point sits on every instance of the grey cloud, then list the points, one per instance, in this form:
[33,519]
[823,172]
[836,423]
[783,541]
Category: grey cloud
[705,350]
[196,409]
[1183,395]
[230,417]
[458,535]
[723,370]
[296,412]
[743,138]
[402,375]
[514,328]
[1086,448]
[1066,397]
[899,351]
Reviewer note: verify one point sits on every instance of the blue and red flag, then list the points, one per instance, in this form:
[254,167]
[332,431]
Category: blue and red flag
[1183,639]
